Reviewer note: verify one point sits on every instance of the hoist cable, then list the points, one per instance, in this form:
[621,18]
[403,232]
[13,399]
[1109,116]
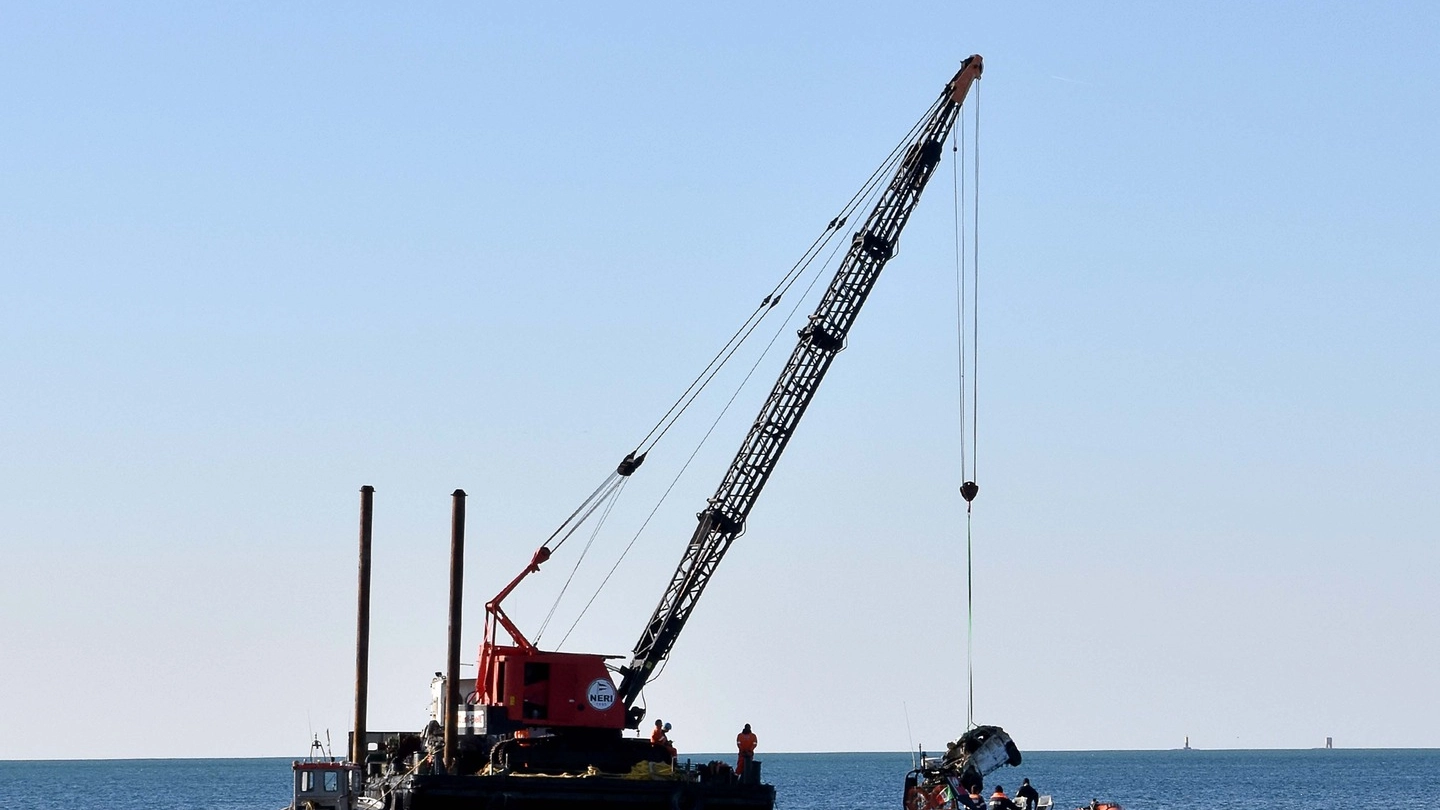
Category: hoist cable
[969,626]
[967,309]
[958,188]
[975,307]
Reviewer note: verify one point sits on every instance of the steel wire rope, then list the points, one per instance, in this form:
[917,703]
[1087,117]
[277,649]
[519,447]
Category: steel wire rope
[861,198]
[788,319]
[712,374]
[689,579]
[691,392]
[613,498]
[975,305]
[766,305]
[731,346]
[614,481]
[969,627]
[957,148]
[974,381]
[699,445]
[866,194]
[970,313]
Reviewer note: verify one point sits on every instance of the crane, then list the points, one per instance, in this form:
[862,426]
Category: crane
[521,686]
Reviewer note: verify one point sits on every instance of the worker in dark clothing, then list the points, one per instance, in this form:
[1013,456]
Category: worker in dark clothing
[1027,797]
[999,801]
[746,742]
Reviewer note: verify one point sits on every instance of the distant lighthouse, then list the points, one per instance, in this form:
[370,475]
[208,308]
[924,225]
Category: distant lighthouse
[1187,742]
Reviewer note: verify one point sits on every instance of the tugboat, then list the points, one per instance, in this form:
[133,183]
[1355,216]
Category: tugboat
[323,783]
[542,728]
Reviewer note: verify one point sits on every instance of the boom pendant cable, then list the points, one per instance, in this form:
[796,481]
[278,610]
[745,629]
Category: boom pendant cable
[612,497]
[863,198]
[726,352]
[815,277]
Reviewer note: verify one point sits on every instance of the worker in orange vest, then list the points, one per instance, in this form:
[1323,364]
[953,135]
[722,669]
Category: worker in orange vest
[746,742]
[660,738]
[999,801]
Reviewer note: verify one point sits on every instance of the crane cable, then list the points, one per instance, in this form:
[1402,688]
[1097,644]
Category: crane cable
[741,334]
[611,498]
[815,277]
[968,465]
[613,483]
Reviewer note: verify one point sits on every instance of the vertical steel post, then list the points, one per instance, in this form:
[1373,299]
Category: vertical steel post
[452,662]
[358,748]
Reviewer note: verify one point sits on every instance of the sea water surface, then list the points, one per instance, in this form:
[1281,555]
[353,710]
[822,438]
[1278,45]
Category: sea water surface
[1138,780]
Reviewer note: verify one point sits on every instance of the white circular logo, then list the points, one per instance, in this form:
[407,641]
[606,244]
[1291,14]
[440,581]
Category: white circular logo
[601,694]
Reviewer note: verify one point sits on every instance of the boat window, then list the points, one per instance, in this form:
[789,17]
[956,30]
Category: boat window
[332,782]
[307,781]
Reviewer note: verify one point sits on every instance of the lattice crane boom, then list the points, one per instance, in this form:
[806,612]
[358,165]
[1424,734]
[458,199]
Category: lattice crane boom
[822,337]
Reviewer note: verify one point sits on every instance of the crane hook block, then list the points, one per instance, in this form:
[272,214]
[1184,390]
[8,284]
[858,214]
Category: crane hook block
[630,463]
[969,490]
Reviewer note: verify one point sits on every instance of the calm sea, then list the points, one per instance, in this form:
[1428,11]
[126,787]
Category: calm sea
[1139,780]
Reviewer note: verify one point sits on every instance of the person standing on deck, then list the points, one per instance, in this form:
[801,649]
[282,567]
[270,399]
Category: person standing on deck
[1027,795]
[746,742]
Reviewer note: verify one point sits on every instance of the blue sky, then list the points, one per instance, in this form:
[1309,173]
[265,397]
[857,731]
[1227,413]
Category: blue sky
[256,256]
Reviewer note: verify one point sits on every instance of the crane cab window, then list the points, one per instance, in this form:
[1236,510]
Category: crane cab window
[537,691]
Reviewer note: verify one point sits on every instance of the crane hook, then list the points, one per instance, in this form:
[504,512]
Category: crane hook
[969,490]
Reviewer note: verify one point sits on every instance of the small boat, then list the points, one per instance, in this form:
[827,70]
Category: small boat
[323,783]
